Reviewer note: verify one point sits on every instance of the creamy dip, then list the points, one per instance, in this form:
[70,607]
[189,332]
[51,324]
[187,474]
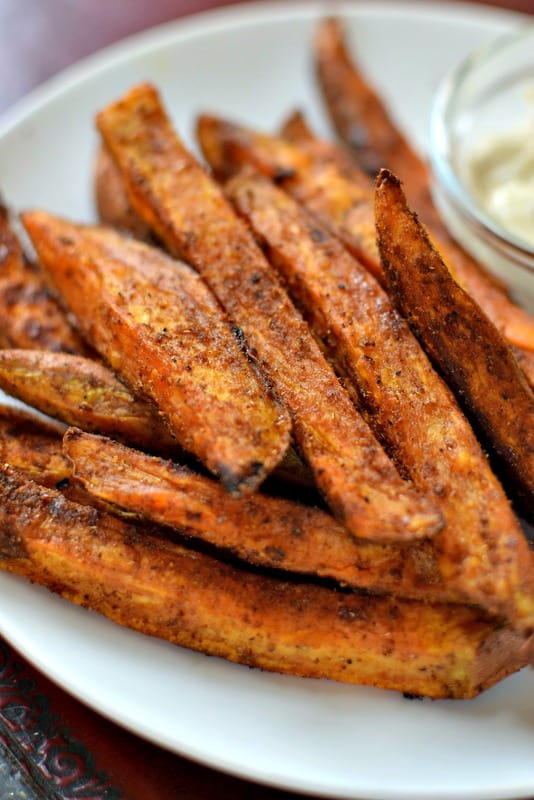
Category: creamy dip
[501,176]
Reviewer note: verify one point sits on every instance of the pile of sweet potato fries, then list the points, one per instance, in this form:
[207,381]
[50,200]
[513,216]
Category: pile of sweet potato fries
[292,407]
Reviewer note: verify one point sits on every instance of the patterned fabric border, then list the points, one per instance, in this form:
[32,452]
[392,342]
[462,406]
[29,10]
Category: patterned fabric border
[40,757]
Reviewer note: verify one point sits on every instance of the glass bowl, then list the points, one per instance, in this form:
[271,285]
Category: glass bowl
[481,137]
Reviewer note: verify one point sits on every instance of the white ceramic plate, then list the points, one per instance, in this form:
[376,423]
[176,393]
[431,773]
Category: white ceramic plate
[253,63]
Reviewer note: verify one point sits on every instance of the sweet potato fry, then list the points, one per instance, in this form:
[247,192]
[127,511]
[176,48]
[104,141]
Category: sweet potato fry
[31,316]
[297,130]
[82,392]
[262,530]
[364,124]
[342,205]
[155,322]
[111,200]
[170,190]
[404,400]
[33,446]
[162,589]
[466,347]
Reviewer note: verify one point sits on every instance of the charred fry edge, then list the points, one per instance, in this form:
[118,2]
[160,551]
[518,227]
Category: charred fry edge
[164,590]
[467,348]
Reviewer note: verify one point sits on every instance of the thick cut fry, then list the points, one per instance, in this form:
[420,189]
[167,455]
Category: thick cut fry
[297,130]
[162,589]
[262,530]
[405,401]
[80,391]
[188,211]
[30,315]
[111,199]
[342,205]
[33,446]
[364,124]
[467,348]
[155,322]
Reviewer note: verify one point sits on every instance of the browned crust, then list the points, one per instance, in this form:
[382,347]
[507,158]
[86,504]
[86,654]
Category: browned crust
[469,351]
[262,530]
[155,322]
[408,405]
[82,392]
[164,590]
[187,210]
[365,125]
[112,204]
[30,315]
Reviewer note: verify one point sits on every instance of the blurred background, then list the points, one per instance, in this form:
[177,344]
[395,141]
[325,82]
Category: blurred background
[40,37]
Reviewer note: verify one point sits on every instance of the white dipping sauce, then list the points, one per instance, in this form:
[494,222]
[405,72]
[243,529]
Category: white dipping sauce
[500,173]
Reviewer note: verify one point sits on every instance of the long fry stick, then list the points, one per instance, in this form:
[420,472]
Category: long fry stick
[341,204]
[29,315]
[82,392]
[466,346]
[170,190]
[405,401]
[162,589]
[363,122]
[262,530]
[156,323]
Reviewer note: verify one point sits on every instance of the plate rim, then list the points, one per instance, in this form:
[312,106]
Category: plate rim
[201,24]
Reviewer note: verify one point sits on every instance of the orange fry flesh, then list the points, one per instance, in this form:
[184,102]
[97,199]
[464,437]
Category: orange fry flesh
[82,392]
[342,205]
[33,447]
[482,550]
[157,325]
[189,213]
[165,590]
[30,315]
[468,349]
[365,125]
[260,529]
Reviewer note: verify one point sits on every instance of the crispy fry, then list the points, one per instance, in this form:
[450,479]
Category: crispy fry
[111,199]
[33,446]
[262,530]
[340,204]
[297,130]
[31,316]
[162,589]
[188,211]
[467,348]
[155,322]
[405,401]
[82,392]
[365,125]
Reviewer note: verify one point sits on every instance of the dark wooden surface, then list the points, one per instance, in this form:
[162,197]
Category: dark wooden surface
[38,38]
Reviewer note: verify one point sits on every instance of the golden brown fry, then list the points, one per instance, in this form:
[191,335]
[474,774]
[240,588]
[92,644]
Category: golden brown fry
[111,199]
[262,530]
[341,204]
[364,124]
[188,211]
[525,359]
[155,322]
[405,401]
[84,393]
[33,446]
[30,315]
[297,130]
[162,589]
[467,348]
